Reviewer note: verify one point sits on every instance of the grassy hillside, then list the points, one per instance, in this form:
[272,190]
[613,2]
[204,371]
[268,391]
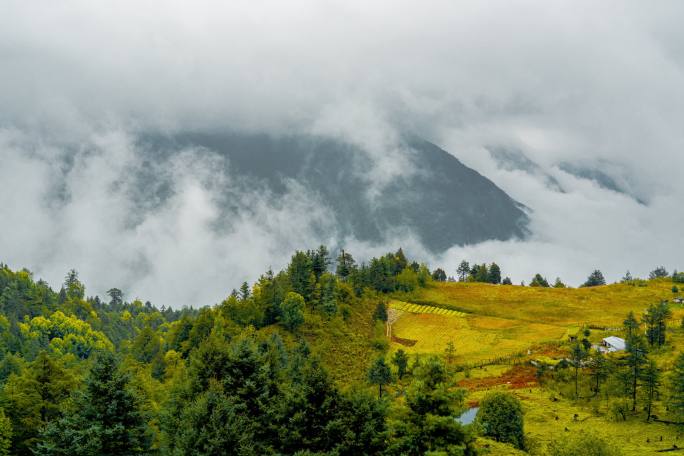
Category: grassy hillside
[489,321]
[497,330]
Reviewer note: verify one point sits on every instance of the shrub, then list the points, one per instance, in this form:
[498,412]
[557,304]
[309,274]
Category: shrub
[501,418]
[585,444]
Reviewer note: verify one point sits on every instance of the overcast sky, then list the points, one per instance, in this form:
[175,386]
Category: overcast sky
[599,85]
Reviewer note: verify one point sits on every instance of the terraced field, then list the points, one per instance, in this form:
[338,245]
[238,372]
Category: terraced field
[422,309]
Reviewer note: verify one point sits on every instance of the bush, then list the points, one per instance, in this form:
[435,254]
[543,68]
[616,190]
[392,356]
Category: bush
[501,418]
[585,444]
[619,410]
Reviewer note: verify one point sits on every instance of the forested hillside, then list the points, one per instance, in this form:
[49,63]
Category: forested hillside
[251,375]
[335,357]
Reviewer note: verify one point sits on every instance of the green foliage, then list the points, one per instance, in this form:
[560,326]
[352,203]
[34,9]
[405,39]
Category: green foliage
[400,359]
[380,311]
[35,398]
[293,311]
[595,279]
[5,434]
[676,402]
[63,334]
[463,271]
[678,277]
[501,418]
[558,283]
[585,443]
[106,419]
[658,273]
[379,374]
[438,275]
[655,318]
[539,281]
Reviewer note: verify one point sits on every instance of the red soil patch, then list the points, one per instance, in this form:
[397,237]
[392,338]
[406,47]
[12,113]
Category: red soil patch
[517,377]
[405,342]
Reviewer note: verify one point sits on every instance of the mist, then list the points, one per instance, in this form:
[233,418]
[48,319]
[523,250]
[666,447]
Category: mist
[594,85]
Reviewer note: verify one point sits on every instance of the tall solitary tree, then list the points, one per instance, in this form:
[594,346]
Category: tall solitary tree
[631,325]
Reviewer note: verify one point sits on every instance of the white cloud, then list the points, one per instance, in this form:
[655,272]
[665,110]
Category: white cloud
[592,83]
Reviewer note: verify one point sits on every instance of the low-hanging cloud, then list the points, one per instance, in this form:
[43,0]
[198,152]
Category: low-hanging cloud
[595,85]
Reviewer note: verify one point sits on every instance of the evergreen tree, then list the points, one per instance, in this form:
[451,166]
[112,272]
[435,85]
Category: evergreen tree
[651,383]
[657,273]
[115,297]
[463,271]
[676,403]
[599,369]
[379,374]
[494,274]
[631,325]
[438,275]
[328,294]
[558,283]
[320,260]
[627,277]
[539,281]
[5,434]
[578,353]
[345,265]
[244,291]
[293,311]
[595,279]
[380,311]
[429,425]
[400,359]
[655,318]
[106,421]
[34,399]
[302,278]
[635,361]
[507,281]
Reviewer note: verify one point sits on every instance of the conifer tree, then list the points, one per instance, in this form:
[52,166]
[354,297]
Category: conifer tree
[400,359]
[106,421]
[379,374]
[676,403]
[5,434]
[651,383]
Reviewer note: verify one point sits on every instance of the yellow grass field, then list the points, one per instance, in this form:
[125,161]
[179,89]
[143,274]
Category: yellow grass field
[489,321]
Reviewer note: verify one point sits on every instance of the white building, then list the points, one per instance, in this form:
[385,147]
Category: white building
[612,344]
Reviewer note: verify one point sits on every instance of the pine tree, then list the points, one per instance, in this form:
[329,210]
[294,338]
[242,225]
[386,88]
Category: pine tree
[463,271]
[107,419]
[676,403]
[5,434]
[494,274]
[400,359]
[631,325]
[379,374]
[345,265]
[651,383]
[595,279]
[635,359]
[558,283]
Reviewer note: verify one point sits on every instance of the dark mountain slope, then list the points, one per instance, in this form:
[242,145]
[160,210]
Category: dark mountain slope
[440,200]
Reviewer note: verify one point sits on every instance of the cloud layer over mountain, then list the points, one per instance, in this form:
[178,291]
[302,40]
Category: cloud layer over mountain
[593,85]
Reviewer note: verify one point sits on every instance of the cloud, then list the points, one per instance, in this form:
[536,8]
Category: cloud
[595,85]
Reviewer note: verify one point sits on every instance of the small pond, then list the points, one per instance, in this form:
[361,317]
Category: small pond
[468,416]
